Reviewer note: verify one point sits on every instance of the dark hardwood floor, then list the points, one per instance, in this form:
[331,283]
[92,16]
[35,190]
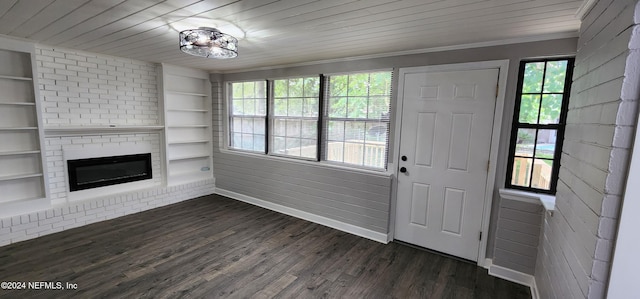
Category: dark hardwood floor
[215,247]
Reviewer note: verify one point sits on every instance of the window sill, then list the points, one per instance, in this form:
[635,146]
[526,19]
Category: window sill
[321,164]
[547,201]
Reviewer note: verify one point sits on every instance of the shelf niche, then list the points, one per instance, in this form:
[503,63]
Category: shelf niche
[23,179]
[186,98]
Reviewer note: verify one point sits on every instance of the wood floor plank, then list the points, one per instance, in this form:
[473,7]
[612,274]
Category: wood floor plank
[216,247]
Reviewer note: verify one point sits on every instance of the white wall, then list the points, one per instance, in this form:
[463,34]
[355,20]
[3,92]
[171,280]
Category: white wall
[86,89]
[578,239]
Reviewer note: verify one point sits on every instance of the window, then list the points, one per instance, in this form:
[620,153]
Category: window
[538,124]
[295,117]
[340,118]
[357,119]
[247,116]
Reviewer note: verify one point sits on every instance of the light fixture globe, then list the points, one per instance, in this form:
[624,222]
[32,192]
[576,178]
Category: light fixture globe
[208,42]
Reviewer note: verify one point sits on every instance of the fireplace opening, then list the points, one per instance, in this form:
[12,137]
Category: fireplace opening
[106,171]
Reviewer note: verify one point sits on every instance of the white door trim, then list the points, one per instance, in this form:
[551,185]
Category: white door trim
[503,66]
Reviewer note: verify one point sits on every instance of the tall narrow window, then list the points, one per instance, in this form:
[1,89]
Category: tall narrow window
[356,119]
[538,124]
[247,116]
[295,117]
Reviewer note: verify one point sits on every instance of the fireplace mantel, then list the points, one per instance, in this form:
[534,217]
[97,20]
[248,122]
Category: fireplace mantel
[98,130]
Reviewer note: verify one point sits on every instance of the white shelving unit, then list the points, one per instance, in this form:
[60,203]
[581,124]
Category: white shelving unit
[23,179]
[187,118]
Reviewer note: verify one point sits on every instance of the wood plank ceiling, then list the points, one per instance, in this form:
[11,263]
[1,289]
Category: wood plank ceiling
[277,32]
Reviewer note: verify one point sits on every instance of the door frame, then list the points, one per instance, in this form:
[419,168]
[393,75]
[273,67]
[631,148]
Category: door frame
[503,67]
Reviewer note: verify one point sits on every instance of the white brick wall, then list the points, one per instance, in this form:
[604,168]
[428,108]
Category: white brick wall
[24,227]
[85,89]
[54,147]
[577,243]
[79,88]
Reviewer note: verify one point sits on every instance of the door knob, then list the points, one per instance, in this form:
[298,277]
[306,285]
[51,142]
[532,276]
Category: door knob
[404,158]
[403,169]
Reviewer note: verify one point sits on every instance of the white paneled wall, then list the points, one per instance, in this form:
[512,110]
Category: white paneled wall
[578,239]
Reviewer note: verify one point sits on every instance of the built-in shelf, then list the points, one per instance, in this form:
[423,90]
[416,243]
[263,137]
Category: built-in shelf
[186,126]
[188,157]
[16,78]
[187,116]
[99,130]
[19,176]
[23,180]
[16,153]
[188,110]
[18,103]
[187,93]
[188,141]
[17,128]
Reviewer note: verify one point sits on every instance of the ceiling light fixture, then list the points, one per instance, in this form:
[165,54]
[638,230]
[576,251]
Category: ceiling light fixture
[208,42]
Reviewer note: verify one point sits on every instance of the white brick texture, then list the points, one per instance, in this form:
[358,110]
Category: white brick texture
[85,89]
[577,241]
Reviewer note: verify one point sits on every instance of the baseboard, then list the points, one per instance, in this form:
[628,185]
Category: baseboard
[513,276]
[339,225]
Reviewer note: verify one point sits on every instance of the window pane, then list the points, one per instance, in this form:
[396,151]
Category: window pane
[248,88]
[521,171]
[335,130]
[357,124]
[310,108]
[311,87]
[279,145]
[357,107]
[237,90]
[293,128]
[295,87]
[533,77]
[555,76]
[280,107]
[258,143]
[380,84]
[546,144]
[258,126]
[294,107]
[237,108]
[338,107]
[338,86]
[377,131]
[297,99]
[541,177]
[248,114]
[309,129]
[551,106]
[529,107]
[358,85]
[354,130]
[524,142]
[261,107]
[279,127]
[378,108]
[249,107]
[247,125]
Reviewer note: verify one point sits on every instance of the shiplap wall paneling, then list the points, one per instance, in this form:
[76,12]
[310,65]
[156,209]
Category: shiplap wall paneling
[22,173]
[518,234]
[187,116]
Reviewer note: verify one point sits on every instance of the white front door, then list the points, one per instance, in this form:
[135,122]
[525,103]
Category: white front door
[445,145]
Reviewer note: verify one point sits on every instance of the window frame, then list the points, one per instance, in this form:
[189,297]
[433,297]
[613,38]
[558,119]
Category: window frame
[559,127]
[327,118]
[271,117]
[319,160]
[229,115]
